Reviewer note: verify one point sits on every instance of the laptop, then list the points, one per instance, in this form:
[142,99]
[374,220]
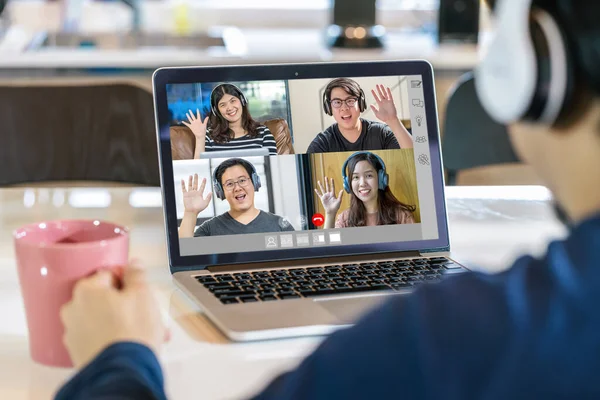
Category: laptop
[295,267]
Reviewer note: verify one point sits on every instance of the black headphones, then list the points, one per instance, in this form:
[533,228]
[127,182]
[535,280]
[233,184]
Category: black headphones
[214,109]
[362,101]
[530,55]
[218,188]
[382,176]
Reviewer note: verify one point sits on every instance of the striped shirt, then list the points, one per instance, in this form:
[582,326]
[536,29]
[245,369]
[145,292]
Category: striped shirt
[263,139]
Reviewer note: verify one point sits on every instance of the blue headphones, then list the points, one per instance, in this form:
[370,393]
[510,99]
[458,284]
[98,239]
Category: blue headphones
[214,109]
[383,177]
[218,188]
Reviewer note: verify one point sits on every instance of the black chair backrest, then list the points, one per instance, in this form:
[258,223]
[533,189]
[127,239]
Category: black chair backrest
[77,133]
[471,138]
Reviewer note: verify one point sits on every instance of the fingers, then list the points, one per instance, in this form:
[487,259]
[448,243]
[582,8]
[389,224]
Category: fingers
[389,93]
[190,116]
[321,187]
[208,196]
[133,275]
[190,182]
[187,124]
[195,187]
[381,91]
[339,196]
[101,279]
[332,186]
[375,110]
[327,185]
[377,99]
[202,185]
[205,121]
[198,113]
[183,189]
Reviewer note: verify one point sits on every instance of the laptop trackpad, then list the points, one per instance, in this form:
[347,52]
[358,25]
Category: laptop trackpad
[350,309]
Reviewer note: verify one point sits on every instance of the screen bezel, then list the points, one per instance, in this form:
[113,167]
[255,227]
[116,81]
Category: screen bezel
[165,76]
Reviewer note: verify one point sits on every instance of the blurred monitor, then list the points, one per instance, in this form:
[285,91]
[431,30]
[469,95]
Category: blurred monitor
[458,21]
[354,25]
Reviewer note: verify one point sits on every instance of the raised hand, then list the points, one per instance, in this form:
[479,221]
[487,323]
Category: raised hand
[386,109]
[194,200]
[330,202]
[196,124]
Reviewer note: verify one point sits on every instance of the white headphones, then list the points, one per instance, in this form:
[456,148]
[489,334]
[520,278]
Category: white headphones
[526,73]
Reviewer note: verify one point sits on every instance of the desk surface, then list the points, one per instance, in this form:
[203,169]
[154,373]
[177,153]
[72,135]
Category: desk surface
[263,46]
[489,227]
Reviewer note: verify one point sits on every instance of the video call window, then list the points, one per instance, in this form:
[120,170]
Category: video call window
[340,159]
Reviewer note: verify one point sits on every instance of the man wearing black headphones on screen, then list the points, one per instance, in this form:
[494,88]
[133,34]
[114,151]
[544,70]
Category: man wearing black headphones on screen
[345,100]
[532,332]
[236,181]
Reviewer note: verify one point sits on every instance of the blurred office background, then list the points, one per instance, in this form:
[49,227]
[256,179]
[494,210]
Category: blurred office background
[83,49]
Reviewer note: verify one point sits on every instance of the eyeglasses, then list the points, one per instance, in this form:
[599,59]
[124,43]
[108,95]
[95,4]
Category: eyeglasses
[337,103]
[229,185]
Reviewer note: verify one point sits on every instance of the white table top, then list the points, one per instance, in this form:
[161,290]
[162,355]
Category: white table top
[489,227]
[263,46]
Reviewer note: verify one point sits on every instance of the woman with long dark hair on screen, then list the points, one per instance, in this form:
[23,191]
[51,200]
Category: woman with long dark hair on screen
[372,202]
[230,125]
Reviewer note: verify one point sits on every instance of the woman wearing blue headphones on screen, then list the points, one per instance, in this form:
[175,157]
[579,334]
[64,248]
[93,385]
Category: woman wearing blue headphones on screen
[371,199]
[230,125]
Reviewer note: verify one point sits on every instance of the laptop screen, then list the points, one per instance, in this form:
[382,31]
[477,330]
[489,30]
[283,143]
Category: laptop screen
[295,167]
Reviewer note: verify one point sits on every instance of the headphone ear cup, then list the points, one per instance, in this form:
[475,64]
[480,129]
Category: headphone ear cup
[256,181]
[383,179]
[219,191]
[362,101]
[346,184]
[326,105]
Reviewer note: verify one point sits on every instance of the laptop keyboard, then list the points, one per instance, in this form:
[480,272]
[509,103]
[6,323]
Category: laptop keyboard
[282,284]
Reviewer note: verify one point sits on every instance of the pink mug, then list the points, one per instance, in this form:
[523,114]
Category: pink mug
[51,257]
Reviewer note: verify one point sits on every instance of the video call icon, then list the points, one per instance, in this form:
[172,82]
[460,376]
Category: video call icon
[286,240]
[271,242]
[302,240]
[318,219]
[318,239]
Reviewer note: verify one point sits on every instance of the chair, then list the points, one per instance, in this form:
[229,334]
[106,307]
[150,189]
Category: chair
[183,140]
[77,133]
[472,139]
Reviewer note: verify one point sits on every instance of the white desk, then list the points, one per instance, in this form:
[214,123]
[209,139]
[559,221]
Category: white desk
[489,227]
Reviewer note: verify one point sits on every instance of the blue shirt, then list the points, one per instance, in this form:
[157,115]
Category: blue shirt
[532,332]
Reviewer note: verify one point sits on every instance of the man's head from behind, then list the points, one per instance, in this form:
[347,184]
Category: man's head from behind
[344,99]
[547,90]
[236,180]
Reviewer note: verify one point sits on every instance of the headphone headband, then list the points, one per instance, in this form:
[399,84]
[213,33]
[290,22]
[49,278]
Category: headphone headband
[383,177]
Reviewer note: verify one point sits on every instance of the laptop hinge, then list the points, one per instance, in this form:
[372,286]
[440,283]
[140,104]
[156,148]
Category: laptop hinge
[312,261]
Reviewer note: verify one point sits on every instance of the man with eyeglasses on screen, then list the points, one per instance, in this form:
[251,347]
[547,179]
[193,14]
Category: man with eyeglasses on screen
[236,181]
[345,100]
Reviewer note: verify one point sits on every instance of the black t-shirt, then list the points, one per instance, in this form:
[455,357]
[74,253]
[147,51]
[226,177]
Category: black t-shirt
[374,136]
[225,224]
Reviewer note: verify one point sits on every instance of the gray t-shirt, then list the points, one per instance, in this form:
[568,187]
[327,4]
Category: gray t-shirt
[225,224]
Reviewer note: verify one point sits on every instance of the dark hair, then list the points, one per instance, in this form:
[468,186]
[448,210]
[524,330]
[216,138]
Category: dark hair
[387,203]
[231,162]
[349,86]
[220,131]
